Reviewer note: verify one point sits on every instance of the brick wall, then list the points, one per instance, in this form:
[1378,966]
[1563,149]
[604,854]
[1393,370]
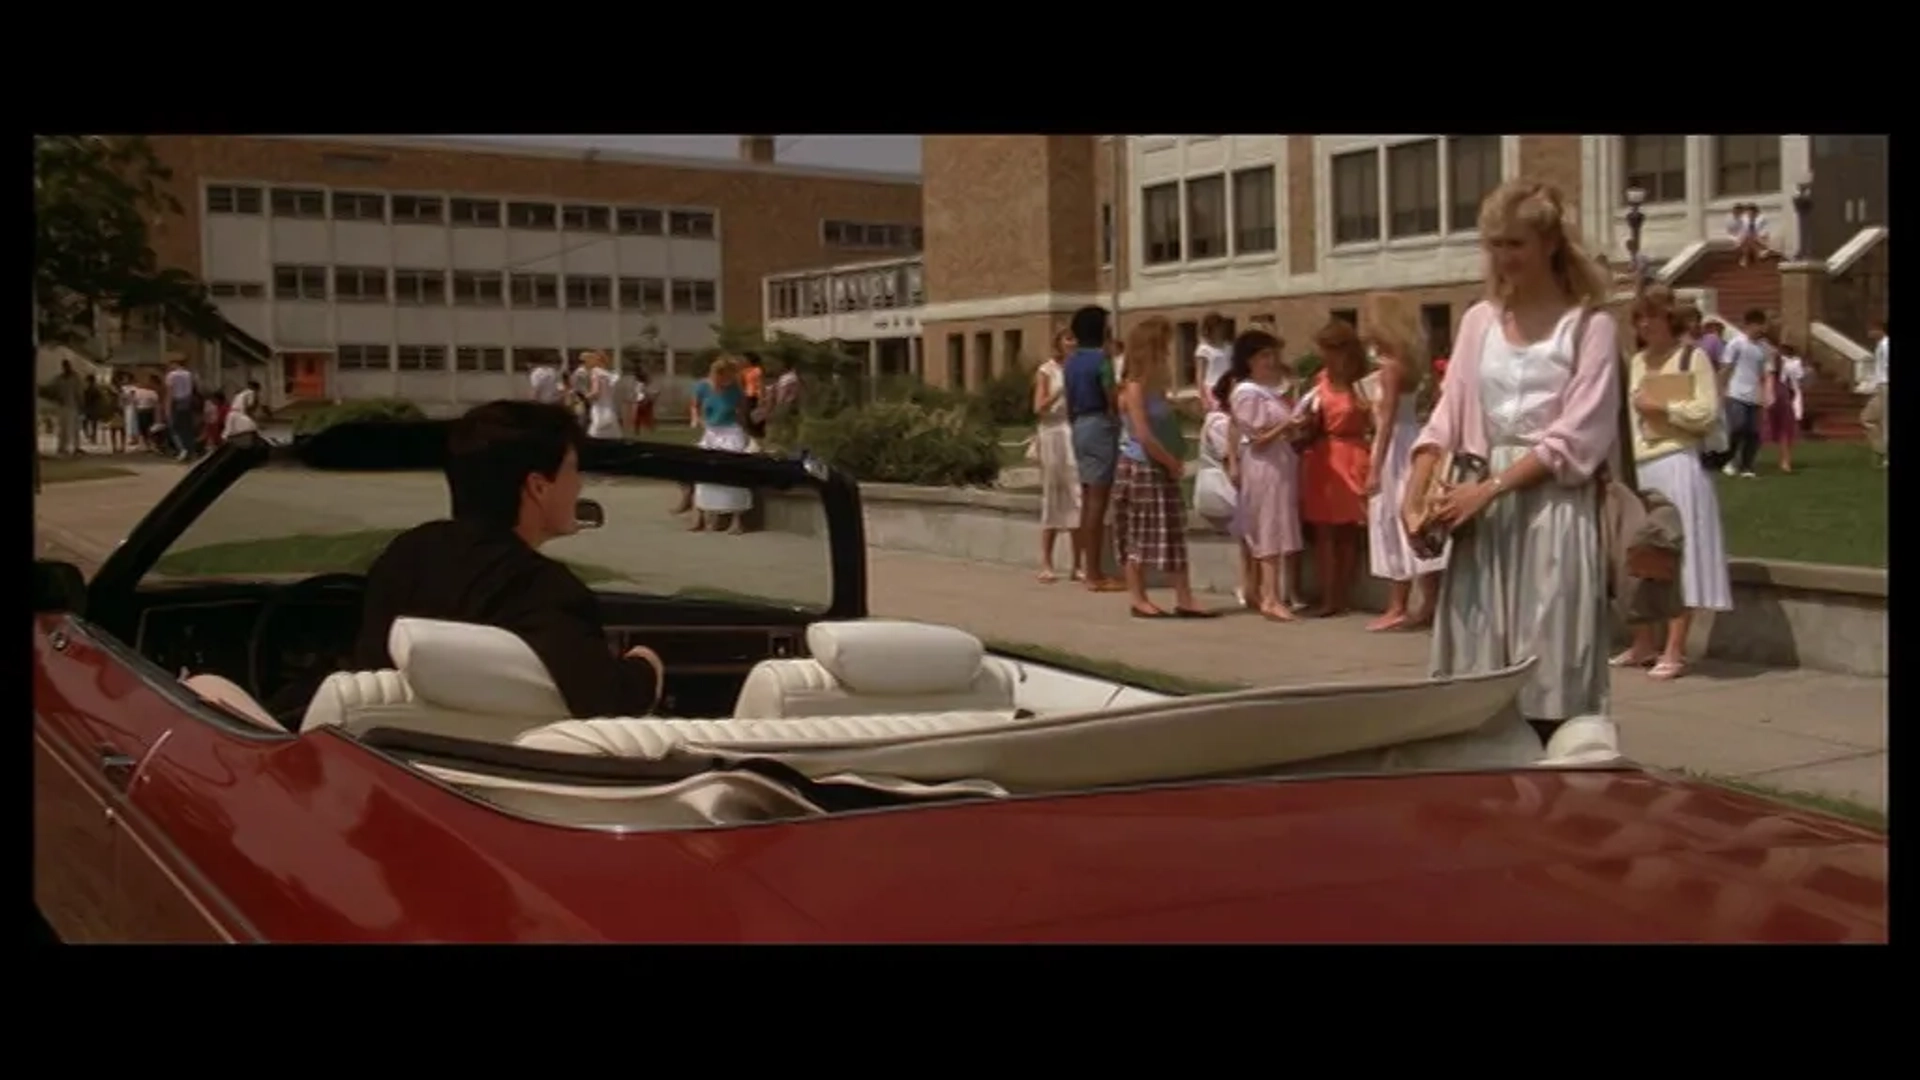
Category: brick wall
[769,219]
[1554,159]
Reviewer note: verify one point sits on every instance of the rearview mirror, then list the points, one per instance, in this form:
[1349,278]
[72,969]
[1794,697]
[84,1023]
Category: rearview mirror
[57,587]
[588,514]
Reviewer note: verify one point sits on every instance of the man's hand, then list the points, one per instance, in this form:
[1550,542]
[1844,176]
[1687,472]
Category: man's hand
[641,652]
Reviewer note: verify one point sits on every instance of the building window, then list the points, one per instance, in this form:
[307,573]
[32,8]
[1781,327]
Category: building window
[1657,165]
[474,213]
[1106,234]
[1011,346]
[1254,212]
[418,209]
[917,238]
[956,362]
[1350,316]
[528,215]
[479,358]
[1473,171]
[639,222]
[299,203]
[783,299]
[860,234]
[240,290]
[227,199]
[844,298]
[638,358]
[1356,197]
[1207,217]
[420,286]
[423,358]
[1746,165]
[1413,188]
[589,292]
[915,291]
[596,219]
[363,358]
[477,288]
[697,224]
[359,206]
[300,283]
[693,297]
[1437,319]
[534,290]
[526,359]
[1160,206]
[647,295]
[360,283]
[983,353]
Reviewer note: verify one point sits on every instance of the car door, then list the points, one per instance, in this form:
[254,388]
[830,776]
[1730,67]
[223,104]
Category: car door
[80,759]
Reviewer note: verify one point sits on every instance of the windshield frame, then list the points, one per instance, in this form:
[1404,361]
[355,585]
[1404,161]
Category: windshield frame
[419,446]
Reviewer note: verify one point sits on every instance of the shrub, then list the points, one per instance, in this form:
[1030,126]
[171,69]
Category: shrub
[1008,396]
[1307,366]
[379,409]
[901,442]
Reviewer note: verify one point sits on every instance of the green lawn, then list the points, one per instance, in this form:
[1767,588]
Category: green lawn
[350,552]
[1865,816]
[1831,509]
[674,434]
[56,470]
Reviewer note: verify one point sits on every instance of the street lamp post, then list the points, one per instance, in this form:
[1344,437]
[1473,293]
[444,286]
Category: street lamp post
[1803,216]
[1636,220]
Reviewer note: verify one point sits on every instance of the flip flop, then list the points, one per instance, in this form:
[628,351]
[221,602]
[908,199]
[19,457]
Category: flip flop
[1045,577]
[1194,613]
[1630,659]
[1154,613]
[1667,670]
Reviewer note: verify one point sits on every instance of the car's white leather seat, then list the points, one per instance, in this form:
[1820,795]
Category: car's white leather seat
[460,679]
[878,666]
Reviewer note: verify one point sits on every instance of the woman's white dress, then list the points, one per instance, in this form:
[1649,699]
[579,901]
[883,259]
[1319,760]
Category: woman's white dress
[603,413]
[1389,552]
[1053,445]
[1704,582]
[1528,579]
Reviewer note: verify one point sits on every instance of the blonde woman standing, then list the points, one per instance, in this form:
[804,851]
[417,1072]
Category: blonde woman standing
[1675,399]
[1053,445]
[603,411]
[1393,332]
[719,405]
[1529,414]
[1148,509]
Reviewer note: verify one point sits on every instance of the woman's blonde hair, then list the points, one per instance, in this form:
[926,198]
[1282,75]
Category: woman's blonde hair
[1148,345]
[1389,321]
[1059,346]
[1541,209]
[722,366]
[594,358]
[1342,356]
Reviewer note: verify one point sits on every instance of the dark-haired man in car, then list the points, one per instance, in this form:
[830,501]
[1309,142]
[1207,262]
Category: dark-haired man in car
[513,469]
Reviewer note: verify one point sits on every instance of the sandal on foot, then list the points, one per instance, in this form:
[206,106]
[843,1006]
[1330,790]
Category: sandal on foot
[1194,613]
[1667,670]
[1631,659]
[1385,623]
[1148,613]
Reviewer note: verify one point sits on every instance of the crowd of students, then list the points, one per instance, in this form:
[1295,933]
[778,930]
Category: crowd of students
[171,413]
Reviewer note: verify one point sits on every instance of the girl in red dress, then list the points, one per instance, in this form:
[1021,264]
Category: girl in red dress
[1333,471]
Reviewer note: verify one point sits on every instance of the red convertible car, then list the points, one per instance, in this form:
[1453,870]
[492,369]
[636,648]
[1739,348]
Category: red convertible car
[813,774]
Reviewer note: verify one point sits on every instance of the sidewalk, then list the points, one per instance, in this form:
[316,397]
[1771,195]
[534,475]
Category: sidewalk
[1788,729]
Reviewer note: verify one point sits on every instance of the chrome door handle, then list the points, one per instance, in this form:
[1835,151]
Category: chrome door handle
[118,767]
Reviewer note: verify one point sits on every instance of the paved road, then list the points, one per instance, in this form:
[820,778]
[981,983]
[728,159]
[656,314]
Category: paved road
[1792,729]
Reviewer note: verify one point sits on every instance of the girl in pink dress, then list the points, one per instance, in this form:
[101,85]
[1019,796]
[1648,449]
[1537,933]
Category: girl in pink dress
[1267,515]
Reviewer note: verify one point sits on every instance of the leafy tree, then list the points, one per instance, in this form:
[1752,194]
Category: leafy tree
[95,199]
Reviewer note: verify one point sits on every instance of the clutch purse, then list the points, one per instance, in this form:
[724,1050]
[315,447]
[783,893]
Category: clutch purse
[1430,540]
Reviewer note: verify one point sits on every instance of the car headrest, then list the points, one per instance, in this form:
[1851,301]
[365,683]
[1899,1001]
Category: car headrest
[886,656]
[471,668]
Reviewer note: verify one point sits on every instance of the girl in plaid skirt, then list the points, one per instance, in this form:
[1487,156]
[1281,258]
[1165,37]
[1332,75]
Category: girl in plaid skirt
[1147,506]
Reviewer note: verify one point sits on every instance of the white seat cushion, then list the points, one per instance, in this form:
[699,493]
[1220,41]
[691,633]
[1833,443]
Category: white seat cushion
[469,668]
[652,739]
[359,701]
[878,666]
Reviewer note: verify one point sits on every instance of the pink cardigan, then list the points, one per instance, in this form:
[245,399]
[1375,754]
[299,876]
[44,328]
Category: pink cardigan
[1578,441]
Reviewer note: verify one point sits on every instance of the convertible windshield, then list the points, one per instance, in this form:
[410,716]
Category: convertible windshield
[286,521]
